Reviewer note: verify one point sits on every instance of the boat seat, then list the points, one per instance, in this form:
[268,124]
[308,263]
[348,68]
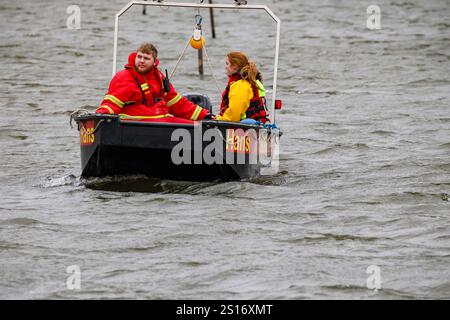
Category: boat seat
[199,99]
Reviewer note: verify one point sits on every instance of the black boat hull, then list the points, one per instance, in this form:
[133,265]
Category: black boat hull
[110,146]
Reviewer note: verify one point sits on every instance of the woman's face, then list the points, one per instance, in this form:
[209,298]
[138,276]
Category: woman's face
[229,68]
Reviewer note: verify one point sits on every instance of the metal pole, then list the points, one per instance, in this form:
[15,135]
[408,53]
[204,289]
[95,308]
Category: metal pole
[275,62]
[200,63]
[211,14]
[116,33]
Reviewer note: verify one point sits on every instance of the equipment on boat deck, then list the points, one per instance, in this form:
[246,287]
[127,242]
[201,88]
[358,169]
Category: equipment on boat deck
[199,99]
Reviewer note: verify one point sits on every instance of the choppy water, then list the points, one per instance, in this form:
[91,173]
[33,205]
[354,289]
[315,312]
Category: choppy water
[365,166]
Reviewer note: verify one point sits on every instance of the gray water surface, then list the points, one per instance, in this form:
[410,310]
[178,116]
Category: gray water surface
[364,174]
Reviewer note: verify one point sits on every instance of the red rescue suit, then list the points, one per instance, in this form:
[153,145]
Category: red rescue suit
[141,96]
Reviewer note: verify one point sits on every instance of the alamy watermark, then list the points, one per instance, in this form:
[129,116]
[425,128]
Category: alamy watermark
[237,146]
[373,282]
[73,282]
[73,22]
[374,18]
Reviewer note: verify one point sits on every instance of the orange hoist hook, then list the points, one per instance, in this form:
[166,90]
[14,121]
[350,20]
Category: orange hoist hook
[197,40]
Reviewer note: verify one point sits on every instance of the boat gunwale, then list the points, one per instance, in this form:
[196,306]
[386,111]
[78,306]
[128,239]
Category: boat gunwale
[207,123]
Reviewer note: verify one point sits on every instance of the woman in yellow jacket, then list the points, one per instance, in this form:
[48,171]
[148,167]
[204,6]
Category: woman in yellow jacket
[244,96]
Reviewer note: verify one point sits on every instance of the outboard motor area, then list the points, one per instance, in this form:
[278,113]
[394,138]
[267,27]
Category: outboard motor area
[199,99]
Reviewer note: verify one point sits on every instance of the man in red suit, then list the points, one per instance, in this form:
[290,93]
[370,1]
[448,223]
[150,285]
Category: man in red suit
[137,93]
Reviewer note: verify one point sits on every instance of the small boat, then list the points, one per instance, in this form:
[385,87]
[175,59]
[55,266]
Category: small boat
[199,151]
[179,151]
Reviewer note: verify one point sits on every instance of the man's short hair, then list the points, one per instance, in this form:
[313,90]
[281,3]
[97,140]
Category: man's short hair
[148,48]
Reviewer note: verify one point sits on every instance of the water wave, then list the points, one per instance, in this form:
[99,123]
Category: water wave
[69,179]
[20,222]
[331,236]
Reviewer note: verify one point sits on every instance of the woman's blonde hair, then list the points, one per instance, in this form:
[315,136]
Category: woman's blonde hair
[246,68]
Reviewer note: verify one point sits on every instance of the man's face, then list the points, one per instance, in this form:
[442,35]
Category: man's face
[144,62]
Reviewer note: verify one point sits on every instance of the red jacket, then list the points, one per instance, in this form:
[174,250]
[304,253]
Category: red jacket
[136,96]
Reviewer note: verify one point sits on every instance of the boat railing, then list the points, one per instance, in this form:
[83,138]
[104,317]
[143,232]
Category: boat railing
[235,6]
